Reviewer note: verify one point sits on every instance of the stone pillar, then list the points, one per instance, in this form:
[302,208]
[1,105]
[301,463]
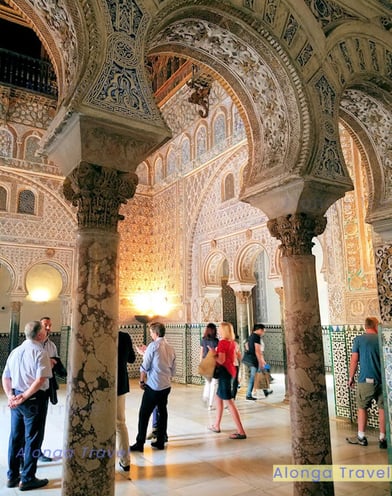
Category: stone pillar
[305,360]
[14,325]
[90,441]
[280,293]
[383,260]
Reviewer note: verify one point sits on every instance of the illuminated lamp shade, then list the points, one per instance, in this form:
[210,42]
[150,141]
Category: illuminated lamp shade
[151,303]
[44,283]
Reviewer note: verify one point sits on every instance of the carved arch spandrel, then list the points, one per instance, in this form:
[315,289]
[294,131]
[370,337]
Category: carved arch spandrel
[369,123]
[212,269]
[12,272]
[65,276]
[273,105]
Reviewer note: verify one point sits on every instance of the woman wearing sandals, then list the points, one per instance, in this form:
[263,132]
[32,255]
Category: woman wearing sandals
[225,357]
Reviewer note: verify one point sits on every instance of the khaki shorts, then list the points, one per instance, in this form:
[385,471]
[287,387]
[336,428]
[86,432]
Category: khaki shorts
[368,392]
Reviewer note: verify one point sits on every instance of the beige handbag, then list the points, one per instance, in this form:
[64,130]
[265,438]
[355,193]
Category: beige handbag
[207,365]
[262,380]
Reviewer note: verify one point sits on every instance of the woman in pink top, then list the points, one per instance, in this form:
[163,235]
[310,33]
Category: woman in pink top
[225,358]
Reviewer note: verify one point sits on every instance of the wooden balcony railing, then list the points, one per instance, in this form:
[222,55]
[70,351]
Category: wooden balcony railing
[27,72]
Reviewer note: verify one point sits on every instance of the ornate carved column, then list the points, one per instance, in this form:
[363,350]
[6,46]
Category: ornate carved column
[90,441]
[383,259]
[14,324]
[242,300]
[305,360]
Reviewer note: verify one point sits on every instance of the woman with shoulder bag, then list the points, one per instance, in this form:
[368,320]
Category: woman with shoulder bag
[209,342]
[225,357]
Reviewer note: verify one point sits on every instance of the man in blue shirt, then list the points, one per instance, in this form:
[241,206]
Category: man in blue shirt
[366,353]
[156,372]
[25,382]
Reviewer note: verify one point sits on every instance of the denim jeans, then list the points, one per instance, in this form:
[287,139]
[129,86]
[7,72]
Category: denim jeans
[251,381]
[26,437]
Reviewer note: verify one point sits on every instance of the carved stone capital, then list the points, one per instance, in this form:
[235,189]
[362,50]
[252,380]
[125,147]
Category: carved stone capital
[98,193]
[296,232]
[16,306]
[242,296]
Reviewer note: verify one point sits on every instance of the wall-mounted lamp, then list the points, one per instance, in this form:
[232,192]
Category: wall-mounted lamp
[201,87]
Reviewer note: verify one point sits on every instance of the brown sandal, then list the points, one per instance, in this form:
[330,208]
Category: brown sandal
[237,435]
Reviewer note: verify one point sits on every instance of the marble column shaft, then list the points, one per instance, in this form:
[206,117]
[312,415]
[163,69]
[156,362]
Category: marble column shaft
[90,441]
[304,346]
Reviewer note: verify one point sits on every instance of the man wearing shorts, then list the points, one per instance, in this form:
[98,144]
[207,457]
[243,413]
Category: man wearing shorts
[366,353]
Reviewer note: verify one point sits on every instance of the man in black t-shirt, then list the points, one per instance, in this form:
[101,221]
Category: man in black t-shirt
[256,349]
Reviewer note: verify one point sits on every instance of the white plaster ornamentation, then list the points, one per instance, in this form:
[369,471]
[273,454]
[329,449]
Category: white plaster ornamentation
[375,116]
[271,93]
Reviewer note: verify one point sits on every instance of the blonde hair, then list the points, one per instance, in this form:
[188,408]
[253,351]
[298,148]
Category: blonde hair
[226,331]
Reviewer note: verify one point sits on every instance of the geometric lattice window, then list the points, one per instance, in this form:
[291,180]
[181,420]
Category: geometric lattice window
[228,187]
[3,198]
[142,173]
[201,141]
[31,147]
[158,170]
[219,129]
[171,163]
[5,143]
[26,202]
[238,125]
[185,151]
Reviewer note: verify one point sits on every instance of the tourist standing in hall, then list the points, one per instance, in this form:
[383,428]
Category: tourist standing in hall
[366,354]
[125,355]
[25,381]
[225,357]
[156,372]
[209,341]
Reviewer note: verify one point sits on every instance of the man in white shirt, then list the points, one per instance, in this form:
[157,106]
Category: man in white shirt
[156,372]
[25,381]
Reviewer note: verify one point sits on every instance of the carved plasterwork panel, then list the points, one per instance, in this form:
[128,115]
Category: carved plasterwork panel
[22,258]
[211,275]
[122,85]
[244,264]
[272,93]
[359,58]
[376,119]
[54,221]
[384,281]
[329,12]
[26,108]
[351,278]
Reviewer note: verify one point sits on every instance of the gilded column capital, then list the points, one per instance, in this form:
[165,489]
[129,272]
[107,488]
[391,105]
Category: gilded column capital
[98,193]
[296,232]
[242,296]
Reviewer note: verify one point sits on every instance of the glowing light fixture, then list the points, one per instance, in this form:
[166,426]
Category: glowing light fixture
[151,303]
[43,283]
[40,294]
